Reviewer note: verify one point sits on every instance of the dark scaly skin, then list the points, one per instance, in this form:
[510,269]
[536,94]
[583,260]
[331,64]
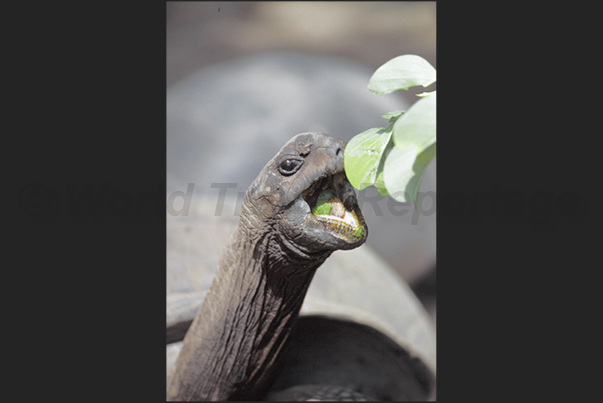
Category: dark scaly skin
[230,350]
[304,393]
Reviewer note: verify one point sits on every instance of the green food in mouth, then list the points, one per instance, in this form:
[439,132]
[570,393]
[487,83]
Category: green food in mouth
[359,232]
[322,204]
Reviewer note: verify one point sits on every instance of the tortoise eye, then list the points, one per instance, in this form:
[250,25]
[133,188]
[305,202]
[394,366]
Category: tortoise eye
[290,166]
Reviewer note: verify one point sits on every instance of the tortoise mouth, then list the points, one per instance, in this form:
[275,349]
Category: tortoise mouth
[334,208]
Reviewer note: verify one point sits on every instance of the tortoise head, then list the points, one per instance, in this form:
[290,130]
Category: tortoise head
[304,194]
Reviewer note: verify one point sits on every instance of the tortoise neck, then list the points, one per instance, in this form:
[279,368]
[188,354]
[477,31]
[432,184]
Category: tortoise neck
[245,320]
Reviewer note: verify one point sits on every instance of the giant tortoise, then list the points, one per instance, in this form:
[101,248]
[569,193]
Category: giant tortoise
[261,331]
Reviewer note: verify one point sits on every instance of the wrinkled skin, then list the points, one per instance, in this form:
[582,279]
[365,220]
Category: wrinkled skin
[231,350]
[278,198]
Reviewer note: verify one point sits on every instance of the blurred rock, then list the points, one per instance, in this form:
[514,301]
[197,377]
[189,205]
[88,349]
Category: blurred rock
[225,121]
[203,33]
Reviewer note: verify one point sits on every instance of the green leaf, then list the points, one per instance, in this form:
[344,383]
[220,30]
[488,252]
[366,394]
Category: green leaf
[363,156]
[379,183]
[418,125]
[404,169]
[401,73]
[392,116]
[414,135]
[413,132]
[322,206]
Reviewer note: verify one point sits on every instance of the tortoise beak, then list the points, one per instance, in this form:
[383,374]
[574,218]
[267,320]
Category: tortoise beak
[343,219]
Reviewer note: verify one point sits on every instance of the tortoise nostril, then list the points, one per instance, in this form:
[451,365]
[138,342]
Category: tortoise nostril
[339,152]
